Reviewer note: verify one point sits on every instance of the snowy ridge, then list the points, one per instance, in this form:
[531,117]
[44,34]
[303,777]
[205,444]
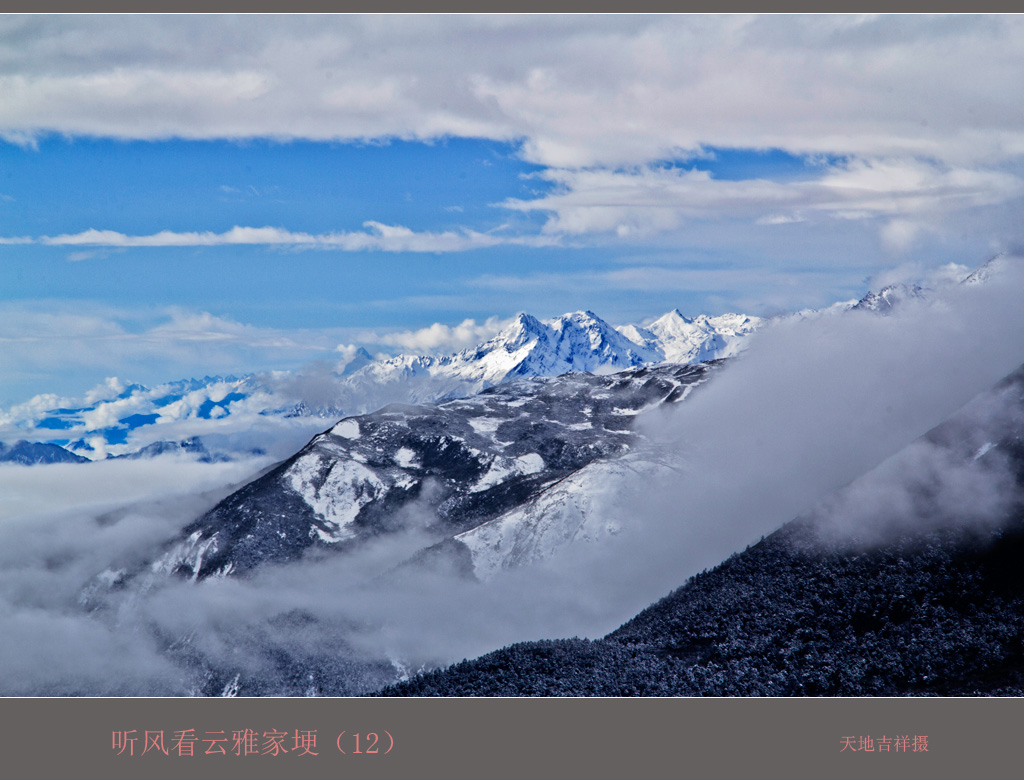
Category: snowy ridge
[215,417]
[212,417]
[889,297]
[579,341]
[674,338]
[441,469]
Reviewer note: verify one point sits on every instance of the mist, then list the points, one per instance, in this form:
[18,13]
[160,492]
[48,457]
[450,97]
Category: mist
[816,406]
[67,530]
[811,407]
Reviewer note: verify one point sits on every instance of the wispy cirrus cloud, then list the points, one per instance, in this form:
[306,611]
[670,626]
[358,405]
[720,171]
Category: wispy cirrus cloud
[376,237]
[59,343]
[910,194]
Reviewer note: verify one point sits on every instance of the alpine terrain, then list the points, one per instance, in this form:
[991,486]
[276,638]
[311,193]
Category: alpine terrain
[924,599]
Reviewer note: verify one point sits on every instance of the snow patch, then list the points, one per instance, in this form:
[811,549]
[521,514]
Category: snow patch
[485,425]
[503,469]
[337,496]
[347,428]
[405,457]
[585,507]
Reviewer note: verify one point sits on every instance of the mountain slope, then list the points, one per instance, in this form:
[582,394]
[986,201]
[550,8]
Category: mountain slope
[443,469]
[927,598]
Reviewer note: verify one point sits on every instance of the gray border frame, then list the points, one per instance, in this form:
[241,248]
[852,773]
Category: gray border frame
[514,738]
[517,738]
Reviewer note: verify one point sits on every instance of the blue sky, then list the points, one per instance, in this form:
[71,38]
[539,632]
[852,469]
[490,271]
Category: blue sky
[66,186]
[239,194]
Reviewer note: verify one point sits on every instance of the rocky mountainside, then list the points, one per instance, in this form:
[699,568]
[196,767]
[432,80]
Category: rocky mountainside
[466,472]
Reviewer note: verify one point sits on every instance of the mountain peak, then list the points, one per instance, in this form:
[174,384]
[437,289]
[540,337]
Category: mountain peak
[889,297]
[985,272]
[674,316]
[523,329]
[579,318]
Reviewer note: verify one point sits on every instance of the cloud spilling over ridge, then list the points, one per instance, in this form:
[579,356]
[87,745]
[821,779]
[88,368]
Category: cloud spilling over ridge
[811,406]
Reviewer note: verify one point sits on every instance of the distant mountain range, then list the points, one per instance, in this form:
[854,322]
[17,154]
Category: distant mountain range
[33,453]
[134,419]
[211,418]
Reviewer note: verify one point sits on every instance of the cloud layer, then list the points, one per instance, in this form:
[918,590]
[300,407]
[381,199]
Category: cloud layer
[918,111]
[810,407]
[580,91]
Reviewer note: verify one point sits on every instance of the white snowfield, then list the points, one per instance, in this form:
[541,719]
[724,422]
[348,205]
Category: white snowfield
[585,507]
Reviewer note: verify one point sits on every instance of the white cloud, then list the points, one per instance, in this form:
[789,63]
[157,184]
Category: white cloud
[923,108]
[377,236]
[440,337]
[917,273]
[648,200]
[48,344]
[779,219]
[581,90]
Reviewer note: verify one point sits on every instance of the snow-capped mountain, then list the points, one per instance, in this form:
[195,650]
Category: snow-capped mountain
[993,267]
[218,413]
[674,338]
[442,469]
[33,453]
[528,347]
